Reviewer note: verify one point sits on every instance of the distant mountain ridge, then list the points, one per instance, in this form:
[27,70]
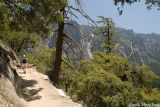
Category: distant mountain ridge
[146,46]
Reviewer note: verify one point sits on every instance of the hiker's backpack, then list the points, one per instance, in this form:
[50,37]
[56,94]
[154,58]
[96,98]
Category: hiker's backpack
[24,60]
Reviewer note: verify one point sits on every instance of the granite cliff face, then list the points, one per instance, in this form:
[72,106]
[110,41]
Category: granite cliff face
[146,47]
[79,46]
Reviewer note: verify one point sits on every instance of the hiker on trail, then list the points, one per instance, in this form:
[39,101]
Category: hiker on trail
[24,63]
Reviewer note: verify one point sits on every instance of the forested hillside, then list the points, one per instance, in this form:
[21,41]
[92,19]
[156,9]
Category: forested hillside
[97,66]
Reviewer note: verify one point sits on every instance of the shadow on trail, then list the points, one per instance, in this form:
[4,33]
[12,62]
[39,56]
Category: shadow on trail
[28,90]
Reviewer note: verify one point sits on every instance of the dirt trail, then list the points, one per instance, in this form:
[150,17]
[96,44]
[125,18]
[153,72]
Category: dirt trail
[39,92]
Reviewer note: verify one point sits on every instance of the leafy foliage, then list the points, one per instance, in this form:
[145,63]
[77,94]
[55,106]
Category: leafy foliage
[43,59]
[100,88]
[147,76]
[149,3]
[21,21]
[4,22]
[107,29]
[151,96]
[108,79]
[19,40]
[38,15]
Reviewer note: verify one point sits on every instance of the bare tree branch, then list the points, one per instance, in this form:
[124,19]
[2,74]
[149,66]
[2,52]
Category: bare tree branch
[123,52]
[82,13]
[66,54]
[71,39]
[68,64]
[12,4]
[72,14]
[79,3]
[70,24]
[69,46]
[83,35]
[132,49]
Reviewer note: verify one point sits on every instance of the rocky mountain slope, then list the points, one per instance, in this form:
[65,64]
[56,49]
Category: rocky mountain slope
[146,47]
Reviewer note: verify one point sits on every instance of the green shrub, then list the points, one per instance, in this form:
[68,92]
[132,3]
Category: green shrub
[109,80]
[43,59]
[151,96]
[98,88]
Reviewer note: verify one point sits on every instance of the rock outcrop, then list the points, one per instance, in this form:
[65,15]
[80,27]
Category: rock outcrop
[32,89]
[9,81]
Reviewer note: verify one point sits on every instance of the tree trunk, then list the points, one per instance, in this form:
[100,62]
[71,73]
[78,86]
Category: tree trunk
[109,40]
[59,44]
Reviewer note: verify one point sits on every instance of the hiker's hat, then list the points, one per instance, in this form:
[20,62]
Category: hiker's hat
[24,56]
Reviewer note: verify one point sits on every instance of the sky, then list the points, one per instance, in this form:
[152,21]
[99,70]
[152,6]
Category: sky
[136,16]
